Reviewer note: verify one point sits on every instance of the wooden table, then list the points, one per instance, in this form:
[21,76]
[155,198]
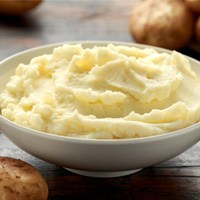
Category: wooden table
[60,21]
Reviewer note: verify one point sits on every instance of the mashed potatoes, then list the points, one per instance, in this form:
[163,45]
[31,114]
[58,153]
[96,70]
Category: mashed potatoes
[103,92]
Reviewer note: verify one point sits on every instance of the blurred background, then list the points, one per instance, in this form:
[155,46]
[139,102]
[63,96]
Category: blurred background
[65,20]
[24,26]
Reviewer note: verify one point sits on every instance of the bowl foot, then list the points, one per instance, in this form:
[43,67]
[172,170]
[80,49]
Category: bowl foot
[97,174]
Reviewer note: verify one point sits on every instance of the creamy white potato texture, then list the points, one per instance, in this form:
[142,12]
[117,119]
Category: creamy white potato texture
[103,92]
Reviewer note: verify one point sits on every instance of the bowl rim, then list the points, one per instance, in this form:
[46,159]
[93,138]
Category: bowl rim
[101,42]
[51,136]
[85,42]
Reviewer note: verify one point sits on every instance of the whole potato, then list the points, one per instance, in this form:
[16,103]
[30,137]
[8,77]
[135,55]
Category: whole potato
[167,23]
[194,5]
[17,7]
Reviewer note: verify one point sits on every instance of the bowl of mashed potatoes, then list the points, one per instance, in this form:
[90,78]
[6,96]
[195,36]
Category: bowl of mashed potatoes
[101,109]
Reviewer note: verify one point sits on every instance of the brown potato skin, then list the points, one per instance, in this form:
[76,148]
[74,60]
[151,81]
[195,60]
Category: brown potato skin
[17,7]
[167,23]
[21,181]
[194,5]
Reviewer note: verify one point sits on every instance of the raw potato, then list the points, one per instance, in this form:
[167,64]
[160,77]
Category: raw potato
[194,5]
[21,181]
[17,7]
[167,23]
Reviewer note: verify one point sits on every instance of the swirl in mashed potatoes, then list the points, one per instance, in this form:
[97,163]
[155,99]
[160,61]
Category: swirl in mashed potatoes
[103,92]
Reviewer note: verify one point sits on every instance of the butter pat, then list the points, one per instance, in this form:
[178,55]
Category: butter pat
[110,92]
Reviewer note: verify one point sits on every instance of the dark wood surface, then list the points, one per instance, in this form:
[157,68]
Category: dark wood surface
[70,20]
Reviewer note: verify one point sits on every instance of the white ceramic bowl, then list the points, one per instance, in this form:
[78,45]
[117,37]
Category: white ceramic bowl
[97,158]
